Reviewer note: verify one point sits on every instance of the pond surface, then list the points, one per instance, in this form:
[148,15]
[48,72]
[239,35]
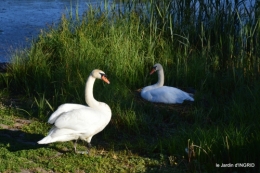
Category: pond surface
[22,20]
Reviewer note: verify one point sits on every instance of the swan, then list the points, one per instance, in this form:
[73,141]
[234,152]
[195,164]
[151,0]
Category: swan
[163,94]
[75,121]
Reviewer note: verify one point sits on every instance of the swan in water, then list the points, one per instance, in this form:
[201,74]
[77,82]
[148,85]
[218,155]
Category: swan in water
[75,121]
[163,94]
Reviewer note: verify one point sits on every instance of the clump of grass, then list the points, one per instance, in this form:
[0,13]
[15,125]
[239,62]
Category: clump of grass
[211,47]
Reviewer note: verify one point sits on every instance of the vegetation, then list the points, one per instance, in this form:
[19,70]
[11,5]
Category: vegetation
[210,46]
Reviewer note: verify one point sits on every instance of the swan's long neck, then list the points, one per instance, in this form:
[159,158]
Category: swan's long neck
[160,78]
[89,98]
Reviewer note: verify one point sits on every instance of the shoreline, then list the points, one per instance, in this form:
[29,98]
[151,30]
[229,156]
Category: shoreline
[4,66]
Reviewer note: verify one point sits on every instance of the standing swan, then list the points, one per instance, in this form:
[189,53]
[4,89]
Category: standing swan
[163,94]
[75,121]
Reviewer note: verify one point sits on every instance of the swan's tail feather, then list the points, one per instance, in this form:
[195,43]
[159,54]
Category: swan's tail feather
[191,92]
[191,97]
[45,140]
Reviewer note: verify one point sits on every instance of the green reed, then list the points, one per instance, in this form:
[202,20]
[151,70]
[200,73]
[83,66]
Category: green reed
[213,28]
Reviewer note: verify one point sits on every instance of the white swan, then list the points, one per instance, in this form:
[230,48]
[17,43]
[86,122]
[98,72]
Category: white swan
[163,94]
[75,121]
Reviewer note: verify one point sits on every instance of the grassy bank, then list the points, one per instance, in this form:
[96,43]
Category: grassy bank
[213,49]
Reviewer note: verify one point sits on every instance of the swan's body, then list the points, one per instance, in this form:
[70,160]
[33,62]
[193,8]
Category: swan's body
[75,121]
[64,108]
[163,94]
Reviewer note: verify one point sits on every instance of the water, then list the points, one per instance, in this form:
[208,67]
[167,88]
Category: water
[22,20]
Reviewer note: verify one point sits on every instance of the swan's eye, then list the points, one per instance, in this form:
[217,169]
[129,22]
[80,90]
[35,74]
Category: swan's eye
[103,74]
[154,67]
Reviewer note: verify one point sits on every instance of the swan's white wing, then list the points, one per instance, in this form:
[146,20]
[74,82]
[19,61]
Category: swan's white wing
[61,135]
[84,120]
[62,109]
[166,94]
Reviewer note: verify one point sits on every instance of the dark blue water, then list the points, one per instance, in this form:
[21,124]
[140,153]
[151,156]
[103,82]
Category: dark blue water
[22,20]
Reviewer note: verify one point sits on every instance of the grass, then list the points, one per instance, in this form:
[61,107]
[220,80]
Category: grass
[215,51]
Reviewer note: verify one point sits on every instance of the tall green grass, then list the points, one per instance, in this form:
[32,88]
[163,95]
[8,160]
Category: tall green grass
[212,48]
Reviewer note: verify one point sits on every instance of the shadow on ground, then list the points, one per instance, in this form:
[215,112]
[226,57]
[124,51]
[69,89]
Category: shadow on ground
[15,140]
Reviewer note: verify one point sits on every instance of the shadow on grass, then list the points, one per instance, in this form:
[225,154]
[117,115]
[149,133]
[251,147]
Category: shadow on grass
[15,140]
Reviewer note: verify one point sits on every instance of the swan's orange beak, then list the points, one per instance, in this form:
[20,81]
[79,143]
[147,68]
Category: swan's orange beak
[105,79]
[152,71]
